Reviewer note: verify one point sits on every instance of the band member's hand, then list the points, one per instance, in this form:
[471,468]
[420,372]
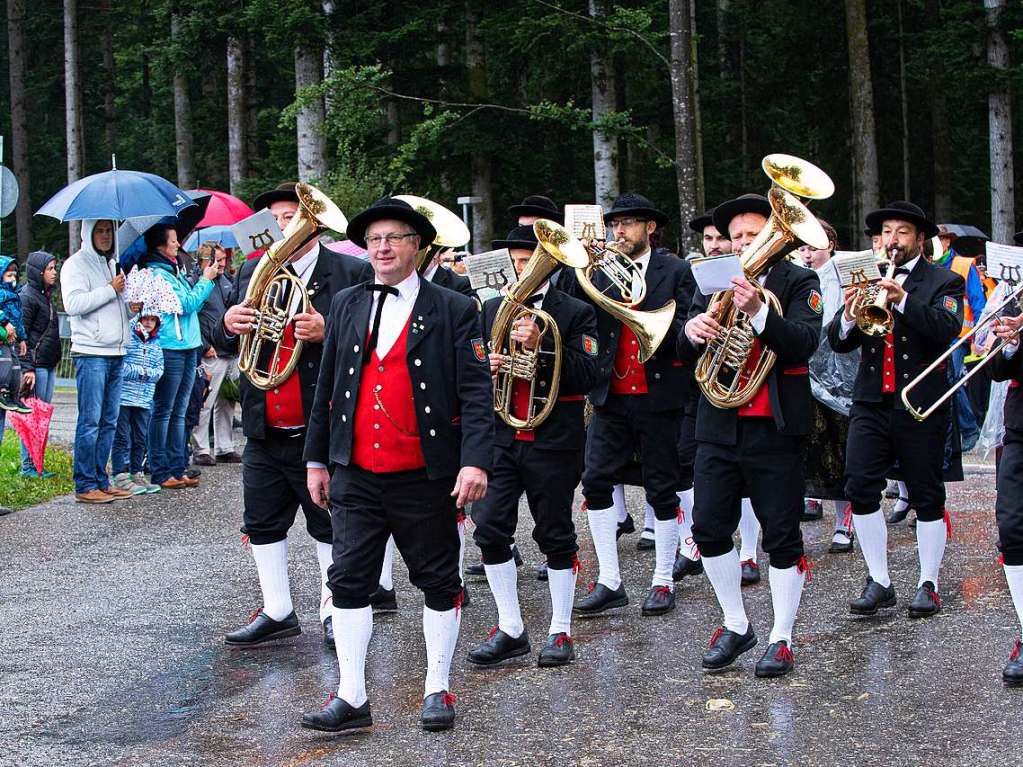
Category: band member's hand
[470,485]
[317,482]
[118,283]
[704,327]
[849,297]
[239,319]
[310,327]
[895,291]
[1007,327]
[745,296]
[496,360]
[526,332]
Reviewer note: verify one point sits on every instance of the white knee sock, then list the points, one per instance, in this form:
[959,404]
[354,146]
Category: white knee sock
[1014,577]
[562,587]
[843,517]
[725,574]
[665,547]
[873,532]
[324,553]
[749,531]
[930,544]
[603,526]
[648,519]
[618,502]
[352,632]
[685,526]
[902,505]
[387,571]
[786,589]
[272,566]
[441,632]
[504,582]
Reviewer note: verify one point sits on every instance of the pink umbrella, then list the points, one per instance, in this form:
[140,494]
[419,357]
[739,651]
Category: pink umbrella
[348,247]
[33,428]
[224,209]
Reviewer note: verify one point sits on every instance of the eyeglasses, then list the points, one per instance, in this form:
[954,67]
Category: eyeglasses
[627,222]
[392,239]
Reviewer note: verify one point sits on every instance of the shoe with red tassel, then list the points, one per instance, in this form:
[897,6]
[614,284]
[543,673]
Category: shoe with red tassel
[777,661]
[438,711]
[1012,674]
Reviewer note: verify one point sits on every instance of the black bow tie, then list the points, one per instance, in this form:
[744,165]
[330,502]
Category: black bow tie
[901,270]
[371,341]
[533,300]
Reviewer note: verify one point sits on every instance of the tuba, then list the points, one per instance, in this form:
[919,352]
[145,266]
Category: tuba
[273,291]
[451,230]
[556,246]
[720,371]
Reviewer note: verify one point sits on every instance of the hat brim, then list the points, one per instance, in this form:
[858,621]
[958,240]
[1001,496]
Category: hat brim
[420,223]
[266,199]
[726,211]
[876,218]
[649,213]
[514,244]
[536,210]
[700,223]
[1018,238]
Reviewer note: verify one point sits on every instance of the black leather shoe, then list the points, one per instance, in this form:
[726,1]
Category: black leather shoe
[476,570]
[541,571]
[625,527]
[559,651]
[516,555]
[685,566]
[750,573]
[498,647]
[644,543]
[726,646]
[1012,674]
[874,597]
[601,598]
[812,510]
[262,628]
[337,716]
[659,600]
[777,661]
[895,517]
[438,711]
[837,547]
[926,602]
[384,601]
[328,631]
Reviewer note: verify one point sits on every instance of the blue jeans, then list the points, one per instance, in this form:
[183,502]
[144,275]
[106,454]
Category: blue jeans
[130,440]
[167,439]
[45,379]
[99,396]
[969,430]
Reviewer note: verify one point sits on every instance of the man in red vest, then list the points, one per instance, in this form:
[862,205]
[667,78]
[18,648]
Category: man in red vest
[400,438]
[755,450]
[274,423]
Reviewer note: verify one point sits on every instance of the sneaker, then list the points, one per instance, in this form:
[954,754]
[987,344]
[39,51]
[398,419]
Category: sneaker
[6,403]
[21,407]
[37,475]
[123,481]
[140,479]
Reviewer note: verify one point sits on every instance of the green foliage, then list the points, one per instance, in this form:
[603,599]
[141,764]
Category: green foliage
[18,492]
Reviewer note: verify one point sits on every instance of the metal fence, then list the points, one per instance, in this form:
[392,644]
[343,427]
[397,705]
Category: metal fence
[65,368]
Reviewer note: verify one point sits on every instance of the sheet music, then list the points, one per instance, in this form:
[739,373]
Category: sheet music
[714,274]
[260,230]
[1004,262]
[585,222]
[492,270]
[856,267]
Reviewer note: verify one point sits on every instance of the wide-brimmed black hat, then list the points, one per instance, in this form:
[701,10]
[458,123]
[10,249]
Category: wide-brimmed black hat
[632,204]
[1018,238]
[702,221]
[746,203]
[283,193]
[900,210]
[537,205]
[871,232]
[522,237]
[391,208]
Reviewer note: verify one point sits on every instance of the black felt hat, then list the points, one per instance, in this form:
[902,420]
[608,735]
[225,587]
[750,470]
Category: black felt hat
[283,193]
[521,237]
[900,210]
[702,221]
[1018,238]
[391,208]
[632,204]
[537,205]
[746,203]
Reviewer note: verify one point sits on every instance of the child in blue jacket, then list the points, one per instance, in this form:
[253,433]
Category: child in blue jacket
[12,345]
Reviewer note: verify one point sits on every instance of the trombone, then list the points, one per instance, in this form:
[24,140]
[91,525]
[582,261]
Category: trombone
[920,415]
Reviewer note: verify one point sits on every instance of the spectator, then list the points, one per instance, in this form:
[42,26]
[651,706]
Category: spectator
[14,346]
[100,334]
[220,362]
[180,340]
[143,366]
[39,363]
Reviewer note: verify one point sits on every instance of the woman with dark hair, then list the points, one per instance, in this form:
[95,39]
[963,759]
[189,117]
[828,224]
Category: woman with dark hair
[43,336]
[181,340]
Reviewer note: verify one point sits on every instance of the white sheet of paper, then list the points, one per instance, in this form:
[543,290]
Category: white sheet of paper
[855,267]
[714,274]
[585,222]
[1004,262]
[259,230]
[492,269]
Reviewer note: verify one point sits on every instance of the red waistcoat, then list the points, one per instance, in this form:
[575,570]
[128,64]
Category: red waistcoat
[628,375]
[284,403]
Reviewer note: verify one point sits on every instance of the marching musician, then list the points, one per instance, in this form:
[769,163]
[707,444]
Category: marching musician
[636,406]
[756,450]
[274,423]
[926,306]
[403,418]
[445,277]
[533,207]
[542,462]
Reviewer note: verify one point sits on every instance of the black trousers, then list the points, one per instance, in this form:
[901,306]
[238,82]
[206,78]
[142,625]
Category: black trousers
[686,450]
[880,434]
[274,486]
[418,511]
[623,425]
[767,468]
[1009,503]
[548,477]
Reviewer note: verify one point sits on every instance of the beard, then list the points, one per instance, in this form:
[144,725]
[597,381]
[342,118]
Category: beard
[632,248]
[901,254]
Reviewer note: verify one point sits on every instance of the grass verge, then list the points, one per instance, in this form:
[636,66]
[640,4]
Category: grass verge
[16,491]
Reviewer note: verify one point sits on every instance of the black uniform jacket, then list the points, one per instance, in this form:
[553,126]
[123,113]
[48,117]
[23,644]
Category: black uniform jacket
[451,280]
[577,323]
[668,381]
[333,272]
[448,367]
[793,336]
[1009,369]
[931,321]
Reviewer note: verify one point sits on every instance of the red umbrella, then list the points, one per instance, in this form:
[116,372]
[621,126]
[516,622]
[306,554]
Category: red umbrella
[33,428]
[224,210]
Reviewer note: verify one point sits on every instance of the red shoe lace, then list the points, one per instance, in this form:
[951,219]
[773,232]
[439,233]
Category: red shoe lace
[1014,655]
[591,587]
[561,639]
[327,703]
[460,517]
[449,699]
[255,614]
[751,563]
[246,543]
[805,565]
[582,508]
[785,654]
[662,589]
[459,598]
[681,515]
[576,564]
[936,598]
[493,632]
[948,524]
[1001,560]
[718,633]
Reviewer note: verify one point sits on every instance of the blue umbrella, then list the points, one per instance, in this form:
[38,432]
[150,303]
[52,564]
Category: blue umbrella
[116,195]
[219,234]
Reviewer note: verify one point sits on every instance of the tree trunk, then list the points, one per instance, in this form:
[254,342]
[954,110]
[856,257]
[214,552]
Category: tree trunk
[19,122]
[941,136]
[604,88]
[1000,125]
[250,96]
[182,120]
[866,191]
[725,41]
[109,113]
[904,102]
[73,110]
[681,94]
[312,143]
[481,162]
[701,203]
[238,166]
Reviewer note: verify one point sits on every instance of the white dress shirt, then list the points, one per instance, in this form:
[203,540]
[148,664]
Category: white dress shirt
[429,273]
[848,325]
[396,312]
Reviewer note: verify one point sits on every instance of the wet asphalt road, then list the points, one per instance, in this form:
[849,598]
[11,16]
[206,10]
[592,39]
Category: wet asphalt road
[112,622]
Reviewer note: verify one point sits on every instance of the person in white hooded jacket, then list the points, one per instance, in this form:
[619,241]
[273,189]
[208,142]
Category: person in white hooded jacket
[92,291]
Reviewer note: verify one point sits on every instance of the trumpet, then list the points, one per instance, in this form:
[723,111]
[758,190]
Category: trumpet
[873,317]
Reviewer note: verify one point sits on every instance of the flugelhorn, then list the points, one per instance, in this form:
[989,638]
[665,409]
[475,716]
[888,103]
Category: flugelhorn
[451,230]
[871,311]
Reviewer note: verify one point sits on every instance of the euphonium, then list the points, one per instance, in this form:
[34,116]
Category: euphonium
[720,371]
[451,230]
[556,246]
[278,295]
